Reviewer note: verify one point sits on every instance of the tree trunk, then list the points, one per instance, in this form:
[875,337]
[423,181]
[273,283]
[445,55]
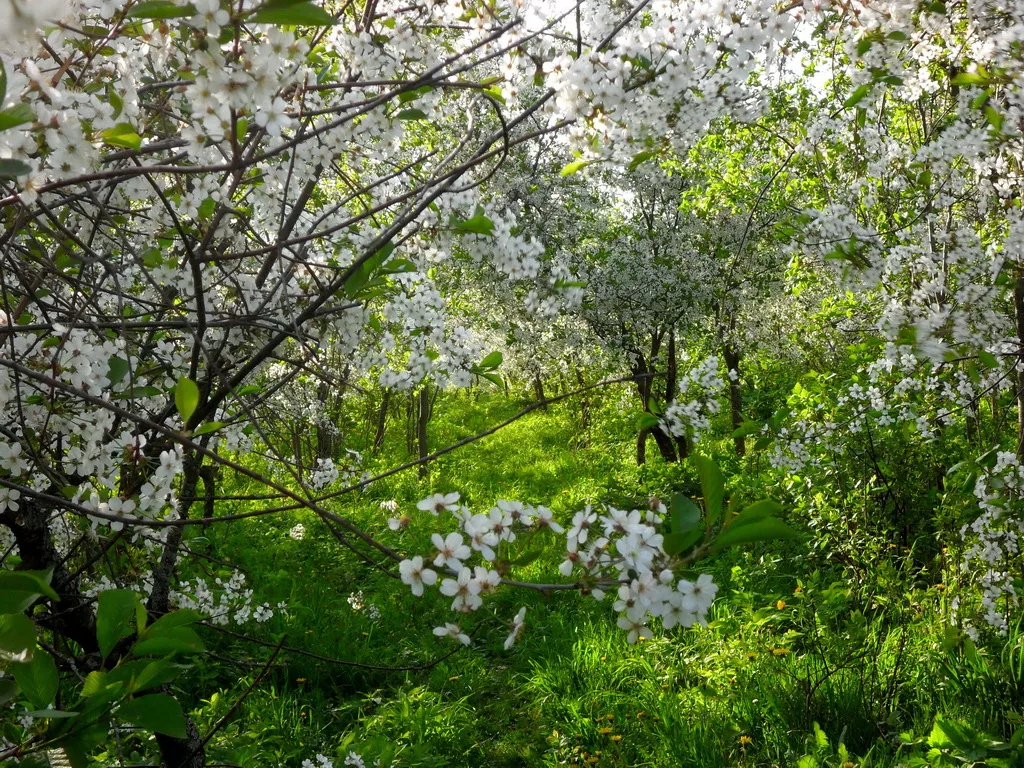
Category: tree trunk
[382,420]
[410,424]
[666,445]
[324,433]
[732,363]
[584,403]
[159,601]
[644,385]
[422,417]
[538,391]
[1018,306]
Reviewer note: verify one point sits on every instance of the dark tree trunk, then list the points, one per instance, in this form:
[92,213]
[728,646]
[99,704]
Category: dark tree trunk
[1018,306]
[73,617]
[183,753]
[324,434]
[666,445]
[410,424]
[422,417]
[644,386]
[584,403]
[732,363]
[382,420]
[538,391]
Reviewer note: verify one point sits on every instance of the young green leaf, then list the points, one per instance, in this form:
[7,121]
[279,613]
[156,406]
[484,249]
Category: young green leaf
[161,9]
[12,169]
[156,712]
[492,361]
[116,617]
[762,529]
[685,513]
[186,397]
[16,115]
[301,14]
[678,542]
[37,678]
[17,636]
[712,485]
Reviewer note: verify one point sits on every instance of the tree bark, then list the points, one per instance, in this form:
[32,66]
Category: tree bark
[1018,306]
[732,363]
[538,391]
[422,417]
[382,420]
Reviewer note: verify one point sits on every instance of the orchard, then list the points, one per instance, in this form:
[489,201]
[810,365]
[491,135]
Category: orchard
[511,383]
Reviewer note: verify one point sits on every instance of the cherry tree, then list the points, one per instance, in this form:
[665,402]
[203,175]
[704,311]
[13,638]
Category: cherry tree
[206,201]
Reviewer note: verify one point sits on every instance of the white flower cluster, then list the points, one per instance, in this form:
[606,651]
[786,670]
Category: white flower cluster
[224,601]
[352,760]
[700,390]
[324,474]
[628,555]
[357,601]
[996,537]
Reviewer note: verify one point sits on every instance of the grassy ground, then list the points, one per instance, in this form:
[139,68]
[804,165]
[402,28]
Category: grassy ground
[790,646]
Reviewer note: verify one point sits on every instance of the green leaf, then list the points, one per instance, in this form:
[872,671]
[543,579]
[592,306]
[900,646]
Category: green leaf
[478,225]
[161,9]
[79,745]
[210,426]
[176,640]
[170,621]
[16,115]
[858,95]
[757,510]
[117,369]
[52,714]
[574,167]
[155,673]
[712,485]
[186,397]
[864,45]
[406,96]
[988,359]
[297,14]
[122,135]
[12,169]
[495,379]
[412,114]
[362,274]
[155,712]
[972,78]
[38,678]
[492,361]
[8,690]
[139,674]
[116,617]
[678,542]
[746,428]
[17,636]
[685,513]
[647,421]
[19,589]
[641,158]
[762,529]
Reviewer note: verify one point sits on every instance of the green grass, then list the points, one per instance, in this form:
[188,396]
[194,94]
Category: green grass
[747,690]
